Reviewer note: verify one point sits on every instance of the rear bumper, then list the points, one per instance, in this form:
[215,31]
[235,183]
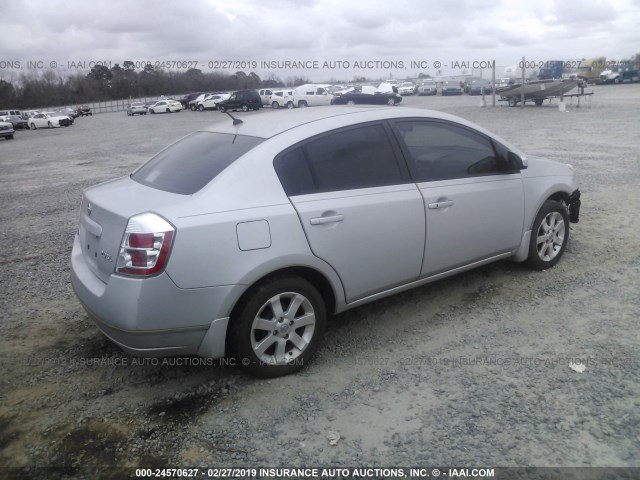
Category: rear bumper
[152,316]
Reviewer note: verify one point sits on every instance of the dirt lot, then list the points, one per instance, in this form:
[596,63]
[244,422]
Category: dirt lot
[469,371]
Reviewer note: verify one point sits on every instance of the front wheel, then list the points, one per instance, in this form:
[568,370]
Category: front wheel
[275,105]
[512,102]
[277,331]
[193,108]
[302,104]
[538,102]
[244,107]
[391,101]
[49,124]
[350,102]
[168,111]
[33,126]
[290,105]
[201,107]
[549,235]
[222,108]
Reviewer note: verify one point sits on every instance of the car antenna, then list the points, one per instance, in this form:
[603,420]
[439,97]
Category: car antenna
[236,121]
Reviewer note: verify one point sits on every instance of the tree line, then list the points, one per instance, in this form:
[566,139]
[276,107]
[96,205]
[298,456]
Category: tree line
[50,89]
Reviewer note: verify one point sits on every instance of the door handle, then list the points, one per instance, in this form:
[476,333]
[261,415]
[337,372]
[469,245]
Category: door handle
[445,204]
[323,220]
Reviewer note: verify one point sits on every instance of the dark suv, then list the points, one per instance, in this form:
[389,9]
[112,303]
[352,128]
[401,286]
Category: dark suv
[244,100]
[188,97]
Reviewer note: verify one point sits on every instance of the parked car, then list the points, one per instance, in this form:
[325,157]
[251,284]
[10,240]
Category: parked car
[281,98]
[188,97]
[312,95]
[407,88]
[193,104]
[427,87]
[165,106]
[69,112]
[246,236]
[64,114]
[136,108]
[244,100]
[6,130]
[477,86]
[48,120]
[84,110]
[451,87]
[367,96]
[211,102]
[14,117]
[265,94]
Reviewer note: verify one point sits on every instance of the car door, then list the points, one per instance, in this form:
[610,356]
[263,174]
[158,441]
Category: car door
[473,194]
[359,209]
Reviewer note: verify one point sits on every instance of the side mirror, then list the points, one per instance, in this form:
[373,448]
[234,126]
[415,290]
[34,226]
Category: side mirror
[517,162]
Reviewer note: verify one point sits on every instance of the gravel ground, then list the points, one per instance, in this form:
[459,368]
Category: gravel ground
[469,371]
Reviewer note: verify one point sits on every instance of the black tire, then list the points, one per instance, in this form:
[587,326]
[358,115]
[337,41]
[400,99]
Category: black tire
[275,105]
[244,107]
[351,102]
[222,108]
[512,102]
[616,80]
[192,107]
[290,105]
[49,125]
[201,108]
[9,137]
[539,102]
[302,104]
[391,101]
[168,111]
[243,336]
[548,240]
[152,111]
[33,126]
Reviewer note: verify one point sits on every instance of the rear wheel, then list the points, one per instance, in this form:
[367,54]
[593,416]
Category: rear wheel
[277,331]
[244,107]
[49,124]
[168,111]
[539,102]
[275,105]
[549,235]
[289,105]
[193,107]
[350,102]
[222,108]
[201,107]
[33,126]
[512,102]
[302,104]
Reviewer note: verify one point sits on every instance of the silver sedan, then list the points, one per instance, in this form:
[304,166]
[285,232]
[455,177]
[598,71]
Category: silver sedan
[242,238]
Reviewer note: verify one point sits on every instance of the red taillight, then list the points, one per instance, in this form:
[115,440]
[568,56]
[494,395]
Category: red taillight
[145,246]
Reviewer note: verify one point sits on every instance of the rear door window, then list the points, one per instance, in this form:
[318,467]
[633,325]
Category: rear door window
[189,164]
[352,158]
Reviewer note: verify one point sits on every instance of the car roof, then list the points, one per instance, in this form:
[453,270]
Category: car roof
[270,124]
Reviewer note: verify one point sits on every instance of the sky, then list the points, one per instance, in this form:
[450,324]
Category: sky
[372,38]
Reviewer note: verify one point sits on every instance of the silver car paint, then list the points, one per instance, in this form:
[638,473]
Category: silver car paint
[207,271]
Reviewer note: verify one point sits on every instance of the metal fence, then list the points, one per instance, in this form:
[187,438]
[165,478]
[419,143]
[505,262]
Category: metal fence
[114,105]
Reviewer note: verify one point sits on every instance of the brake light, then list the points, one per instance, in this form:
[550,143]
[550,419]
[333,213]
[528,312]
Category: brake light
[145,246]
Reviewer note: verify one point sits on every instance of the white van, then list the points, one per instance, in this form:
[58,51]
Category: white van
[312,95]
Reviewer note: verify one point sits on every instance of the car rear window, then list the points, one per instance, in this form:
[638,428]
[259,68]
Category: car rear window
[189,164]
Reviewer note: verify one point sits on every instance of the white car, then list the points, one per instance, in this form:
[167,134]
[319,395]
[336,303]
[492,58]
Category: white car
[265,94]
[211,101]
[312,95]
[165,106]
[6,130]
[281,98]
[407,88]
[48,120]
